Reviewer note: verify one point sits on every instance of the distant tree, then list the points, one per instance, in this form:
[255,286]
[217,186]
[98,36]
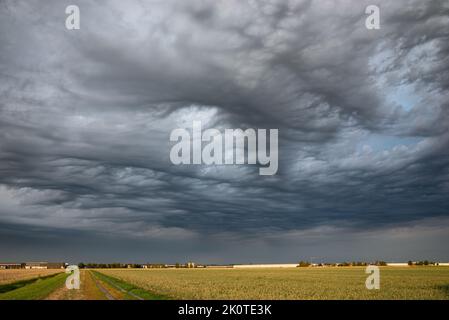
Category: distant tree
[303,264]
[81,265]
[410,263]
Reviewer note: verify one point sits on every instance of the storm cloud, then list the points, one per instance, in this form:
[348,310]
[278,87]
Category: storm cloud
[86,115]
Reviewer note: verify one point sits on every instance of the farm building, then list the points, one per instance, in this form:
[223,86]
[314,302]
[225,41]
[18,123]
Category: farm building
[153,265]
[397,264]
[56,265]
[11,265]
[36,265]
[45,265]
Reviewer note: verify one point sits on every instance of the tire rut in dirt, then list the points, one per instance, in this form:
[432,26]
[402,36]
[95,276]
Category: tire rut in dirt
[102,288]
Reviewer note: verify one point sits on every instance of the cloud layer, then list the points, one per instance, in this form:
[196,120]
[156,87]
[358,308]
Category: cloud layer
[85,119]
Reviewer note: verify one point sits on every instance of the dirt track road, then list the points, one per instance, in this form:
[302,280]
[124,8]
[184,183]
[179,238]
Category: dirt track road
[90,289]
[101,287]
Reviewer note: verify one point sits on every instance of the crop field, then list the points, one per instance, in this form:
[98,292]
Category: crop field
[281,283]
[36,290]
[294,283]
[13,275]
[51,286]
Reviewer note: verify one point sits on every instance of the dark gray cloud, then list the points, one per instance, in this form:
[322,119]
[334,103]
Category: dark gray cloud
[85,118]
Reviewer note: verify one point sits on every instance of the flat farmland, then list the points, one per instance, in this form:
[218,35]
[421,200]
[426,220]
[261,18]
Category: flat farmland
[14,275]
[51,286]
[290,284]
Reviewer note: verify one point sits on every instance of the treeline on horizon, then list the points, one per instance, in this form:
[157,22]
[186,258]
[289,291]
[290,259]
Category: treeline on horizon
[91,265]
[363,264]
[82,265]
[342,264]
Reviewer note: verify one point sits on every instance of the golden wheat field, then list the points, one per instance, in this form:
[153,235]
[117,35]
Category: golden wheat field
[294,283]
[14,275]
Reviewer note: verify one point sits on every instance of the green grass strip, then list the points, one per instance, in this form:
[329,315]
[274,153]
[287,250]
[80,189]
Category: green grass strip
[130,288]
[39,289]
[18,284]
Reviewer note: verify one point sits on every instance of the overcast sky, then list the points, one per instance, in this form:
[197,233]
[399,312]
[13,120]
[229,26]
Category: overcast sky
[86,115]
